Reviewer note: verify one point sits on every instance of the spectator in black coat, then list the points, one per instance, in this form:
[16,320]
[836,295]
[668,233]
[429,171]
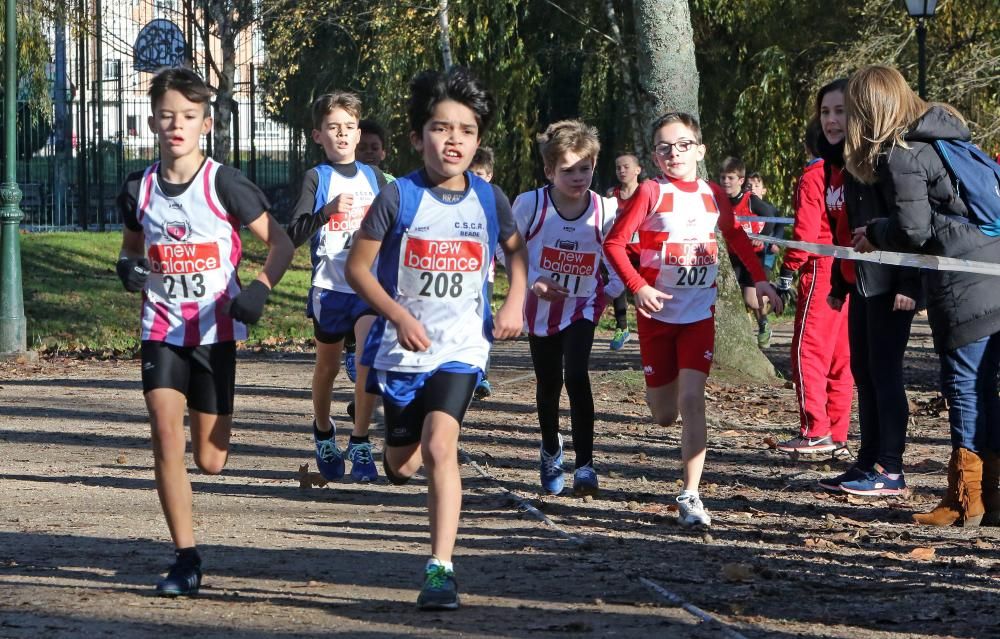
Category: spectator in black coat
[889,143]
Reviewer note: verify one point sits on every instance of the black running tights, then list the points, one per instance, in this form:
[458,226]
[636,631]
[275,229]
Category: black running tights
[569,351]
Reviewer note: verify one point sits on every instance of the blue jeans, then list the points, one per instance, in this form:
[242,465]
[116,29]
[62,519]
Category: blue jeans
[969,383]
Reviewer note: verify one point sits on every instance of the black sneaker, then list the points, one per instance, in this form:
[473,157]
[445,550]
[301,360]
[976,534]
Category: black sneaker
[183,580]
[440,591]
[833,483]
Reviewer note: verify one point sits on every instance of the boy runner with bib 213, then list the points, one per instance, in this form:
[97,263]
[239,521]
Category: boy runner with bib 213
[677,216]
[434,233]
[181,247]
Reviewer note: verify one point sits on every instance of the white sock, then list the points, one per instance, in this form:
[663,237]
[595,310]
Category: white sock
[434,561]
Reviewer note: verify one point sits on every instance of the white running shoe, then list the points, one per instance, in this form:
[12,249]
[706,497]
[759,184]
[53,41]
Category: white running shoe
[692,513]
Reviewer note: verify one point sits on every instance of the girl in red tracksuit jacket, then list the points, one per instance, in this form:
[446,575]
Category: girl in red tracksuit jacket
[821,361]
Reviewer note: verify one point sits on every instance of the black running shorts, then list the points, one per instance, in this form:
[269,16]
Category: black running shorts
[447,392]
[206,374]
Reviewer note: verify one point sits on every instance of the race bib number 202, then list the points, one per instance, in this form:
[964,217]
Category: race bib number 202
[441,269]
[689,264]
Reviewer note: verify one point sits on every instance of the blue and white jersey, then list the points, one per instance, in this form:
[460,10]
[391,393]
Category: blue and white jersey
[331,244]
[434,262]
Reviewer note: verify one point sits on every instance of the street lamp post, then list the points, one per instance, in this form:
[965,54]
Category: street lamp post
[920,10]
[12,324]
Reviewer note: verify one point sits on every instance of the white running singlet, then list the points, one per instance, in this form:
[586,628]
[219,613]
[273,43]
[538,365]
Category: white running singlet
[193,247]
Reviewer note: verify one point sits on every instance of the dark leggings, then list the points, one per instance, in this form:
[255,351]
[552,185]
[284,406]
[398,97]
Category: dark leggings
[620,304]
[878,338]
[569,351]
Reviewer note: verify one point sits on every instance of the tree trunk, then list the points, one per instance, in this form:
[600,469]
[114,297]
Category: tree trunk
[224,101]
[631,102]
[445,34]
[668,80]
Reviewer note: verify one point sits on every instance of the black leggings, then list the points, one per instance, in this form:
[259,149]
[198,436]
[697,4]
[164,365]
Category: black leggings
[569,351]
[620,305]
[878,337]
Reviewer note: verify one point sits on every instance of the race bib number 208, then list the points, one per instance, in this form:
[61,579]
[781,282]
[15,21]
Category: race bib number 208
[441,269]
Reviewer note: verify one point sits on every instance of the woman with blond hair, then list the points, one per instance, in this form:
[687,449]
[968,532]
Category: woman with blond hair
[890,143]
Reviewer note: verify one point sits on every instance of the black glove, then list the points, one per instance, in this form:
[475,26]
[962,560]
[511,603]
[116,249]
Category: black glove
[133,273]
[248,306]
[784,285]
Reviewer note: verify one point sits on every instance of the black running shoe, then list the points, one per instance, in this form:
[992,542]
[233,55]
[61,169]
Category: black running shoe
[183,580]
[440,591]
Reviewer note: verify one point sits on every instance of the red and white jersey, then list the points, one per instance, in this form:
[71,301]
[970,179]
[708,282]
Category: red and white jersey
[193,247]
[568,252]
[742,209]
[678,251]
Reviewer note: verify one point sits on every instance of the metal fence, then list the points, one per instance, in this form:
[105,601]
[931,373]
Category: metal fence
[73,158]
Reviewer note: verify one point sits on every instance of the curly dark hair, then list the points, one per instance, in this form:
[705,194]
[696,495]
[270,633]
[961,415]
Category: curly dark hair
[429,88]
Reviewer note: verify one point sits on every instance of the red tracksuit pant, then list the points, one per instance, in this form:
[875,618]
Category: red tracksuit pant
[821,357]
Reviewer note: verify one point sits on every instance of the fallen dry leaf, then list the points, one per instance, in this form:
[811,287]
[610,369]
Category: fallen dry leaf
[922,553]
[737,572]
[121,459]
[308,479]
[771,442]
[819,542]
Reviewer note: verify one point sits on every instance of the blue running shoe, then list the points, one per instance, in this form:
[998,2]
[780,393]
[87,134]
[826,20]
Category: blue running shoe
[585,481]
[483,389]
[620,338]
[363,466]
[552,470]
[833,484]
[350,366]
[329,459]
[440,591]
[183,580]
[875,483]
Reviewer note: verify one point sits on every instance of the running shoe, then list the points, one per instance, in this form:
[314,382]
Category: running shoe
[329,458]
[183,580]
[691,512]
[875,483]
[620,338]
[350,366]
[552,470]
[440,591]
[799,444]
[363,466]
[585,481]
[764,335]
[833,483]
[483,389]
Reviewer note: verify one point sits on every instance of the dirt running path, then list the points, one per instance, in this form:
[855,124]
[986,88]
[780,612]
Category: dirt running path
[82,538]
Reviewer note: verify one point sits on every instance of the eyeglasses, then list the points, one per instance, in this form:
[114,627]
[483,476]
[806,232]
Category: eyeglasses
[681,146]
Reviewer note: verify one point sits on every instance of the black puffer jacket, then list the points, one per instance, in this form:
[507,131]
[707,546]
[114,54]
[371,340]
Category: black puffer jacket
[925,216]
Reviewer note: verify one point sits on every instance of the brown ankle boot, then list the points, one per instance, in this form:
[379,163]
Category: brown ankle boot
[991,488]
[962,504]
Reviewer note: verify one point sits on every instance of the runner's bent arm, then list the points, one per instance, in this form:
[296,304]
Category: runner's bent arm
[280,249]
[510,317]
[410,331]
[627,222]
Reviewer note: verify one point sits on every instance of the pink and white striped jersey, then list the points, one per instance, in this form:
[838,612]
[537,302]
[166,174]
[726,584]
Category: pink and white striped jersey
[568,252]
[193,247]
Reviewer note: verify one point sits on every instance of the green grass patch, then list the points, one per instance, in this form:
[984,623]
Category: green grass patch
[74,302]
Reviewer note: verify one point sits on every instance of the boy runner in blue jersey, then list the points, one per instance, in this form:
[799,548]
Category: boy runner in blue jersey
[434,233]
[335,197]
